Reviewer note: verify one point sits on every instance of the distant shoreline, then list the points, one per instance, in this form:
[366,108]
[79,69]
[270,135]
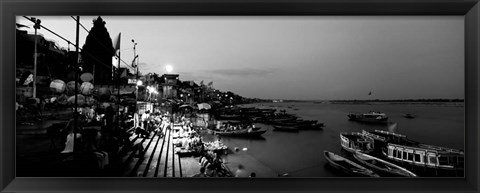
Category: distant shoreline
[376,100]
[436,102]
[403,100]
[449,104]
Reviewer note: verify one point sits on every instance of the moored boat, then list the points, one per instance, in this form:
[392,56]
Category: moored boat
[409,116]
[370,117]
[293,122]
[316,126]
[347,166]
[281,119]
[241,133]
[285,128]
[301,122]
[426,156]
[267,111]
[382,167]
[356,141]
[399,149]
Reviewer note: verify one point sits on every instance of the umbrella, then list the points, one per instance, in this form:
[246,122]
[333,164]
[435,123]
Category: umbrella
[86,88]
[80,99]
[57,86]
[205,106]
[86,77]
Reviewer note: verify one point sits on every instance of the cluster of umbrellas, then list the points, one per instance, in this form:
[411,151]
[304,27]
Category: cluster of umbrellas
[86,89]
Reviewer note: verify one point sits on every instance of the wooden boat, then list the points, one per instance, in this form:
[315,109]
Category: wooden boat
[398,148]
[382,167]
[242,133]
[347,166]
[285,128]
[299,122]
[240,125]
[282,119]
[314,126]
[216,147]
[267,111]
[356,141]
[370,117]
[425,156]
[409,116]
[290,123]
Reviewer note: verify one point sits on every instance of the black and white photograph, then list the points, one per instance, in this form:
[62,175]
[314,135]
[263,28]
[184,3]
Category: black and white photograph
[240,96]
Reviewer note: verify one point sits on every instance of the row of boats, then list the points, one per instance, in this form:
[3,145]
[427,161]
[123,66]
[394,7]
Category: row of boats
[372,150]
[242,119]
[290,123]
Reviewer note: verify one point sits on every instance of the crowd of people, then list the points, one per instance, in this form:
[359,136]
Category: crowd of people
[229,126]
[98,135]
[103,136]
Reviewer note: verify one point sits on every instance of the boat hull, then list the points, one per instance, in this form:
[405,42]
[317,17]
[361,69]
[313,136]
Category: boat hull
[245,134]
[382,167]
[425,156]
[368,118]
[347,166]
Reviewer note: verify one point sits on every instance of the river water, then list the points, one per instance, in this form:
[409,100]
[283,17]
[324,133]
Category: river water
[301,154]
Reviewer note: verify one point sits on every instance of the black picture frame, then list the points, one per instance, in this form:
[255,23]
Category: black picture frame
[9,9]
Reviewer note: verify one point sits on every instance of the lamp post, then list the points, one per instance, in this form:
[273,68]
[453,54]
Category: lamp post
[139,83]
[36,26]
[75,115]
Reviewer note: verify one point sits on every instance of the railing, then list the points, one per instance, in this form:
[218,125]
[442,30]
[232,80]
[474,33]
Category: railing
[377,137]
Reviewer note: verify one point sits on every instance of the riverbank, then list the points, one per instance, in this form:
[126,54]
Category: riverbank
[441,104]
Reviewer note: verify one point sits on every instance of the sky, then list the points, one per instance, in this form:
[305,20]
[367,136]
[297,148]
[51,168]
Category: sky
[293,57]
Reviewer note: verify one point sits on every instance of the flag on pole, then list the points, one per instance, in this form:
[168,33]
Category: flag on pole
[370,93]
[124,73]
[115,61]
[21,25]
[116,44]
[210,83]
[28,80]
[133,61]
